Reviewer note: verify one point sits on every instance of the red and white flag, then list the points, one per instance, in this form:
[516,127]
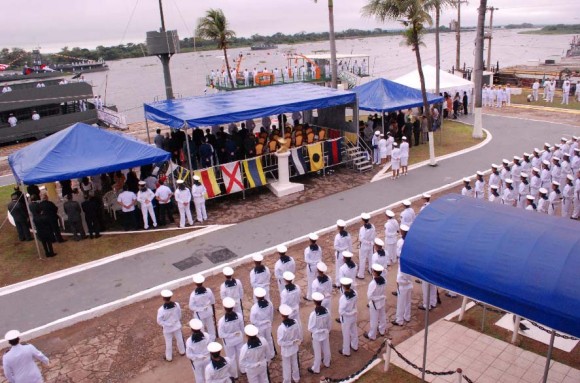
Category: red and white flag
[232,177]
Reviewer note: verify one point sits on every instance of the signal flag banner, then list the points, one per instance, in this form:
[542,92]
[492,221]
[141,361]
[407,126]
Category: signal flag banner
[333,151]
[254,172]
[316,158]
[232,177]
[209,180]
[297,156]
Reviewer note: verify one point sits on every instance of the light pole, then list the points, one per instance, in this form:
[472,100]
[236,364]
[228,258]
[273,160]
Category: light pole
[489,37]
[478,70]
[458,34]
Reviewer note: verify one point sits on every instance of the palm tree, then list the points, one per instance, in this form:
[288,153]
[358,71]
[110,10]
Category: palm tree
[413,15]
[333,70]
[214,26]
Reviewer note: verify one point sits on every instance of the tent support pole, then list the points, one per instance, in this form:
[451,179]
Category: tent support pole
[516,328]
[483,318]
[462,312]
[427,309]
[188,152]
[33,227]
[147,128]
[549,356]
[383,122]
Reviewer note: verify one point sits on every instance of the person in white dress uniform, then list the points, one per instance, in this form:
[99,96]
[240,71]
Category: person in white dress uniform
[19,362]
[319,325]
[219,369]
[312,255]
[262,316]
[196,349]
[169,318]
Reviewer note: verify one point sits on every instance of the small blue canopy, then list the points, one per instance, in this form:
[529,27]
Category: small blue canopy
[240,105]
[382,95]
[524,262]
[80,150]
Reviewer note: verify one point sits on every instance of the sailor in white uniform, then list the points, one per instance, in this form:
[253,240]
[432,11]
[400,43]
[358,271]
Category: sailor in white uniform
[289,337]
[285,263]
[505,172]
[291,295]
[375,145]
[509,195]
[526,164]
[404,290]
[230,330]
[395,161]
[219,369]
[169,318]
[312,255]
[530,204]
[494,177]
[349,268]
[547,154]
[232,288]
[391,231]
[323,284]
[427,199]
[366,237]
[380,256]
[198,192]
[494,194]
[576,212]
[404,156]
[554,198]
[535,183]
[347,309]
[567,196]
[254,356]
[479,189]
[202,305]
[523,190]
[515,172]
[467,190]
[319,325]
[260,275]
[183,198]
[196,349]
[408,214]
[543,201]
[145,198]
[377,302]
[556,171]
[342,242]
[566,168]
[262,316]
[536,159]
[19,361]
[546,175]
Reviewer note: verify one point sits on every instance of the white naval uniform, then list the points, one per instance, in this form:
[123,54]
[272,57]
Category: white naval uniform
[566,170]
[504,174]
[219,373]
[233,288]
[231,330]
[366,236]
[377,298]
[289,339]
[535,185]
[526,167]
[407,216]
[467,191]
[479,189]
[348,318]
[254,358]
[312,255]
[546,155]
[319,324]
[536,162]
[557,174]
[260,277]
[391,230]
[183,197]
[376,149]
[145,199]
[291,296]
[495,198]
[494,179]
[261,316]
[198,194]
[576,211]
[19,364]
[395,159]
[516,175]
[348,270]
[169,317]
[546,178]
[542,206]
[404,153]
[380,257]
[567,196]
[201,303]
[405,290]
[196,351]
[342,242]
[523,191]
[554,200]
[323,285]
[282,265]
[509,196]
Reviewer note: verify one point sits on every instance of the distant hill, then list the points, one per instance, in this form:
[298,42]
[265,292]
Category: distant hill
[558,29]
[519,26]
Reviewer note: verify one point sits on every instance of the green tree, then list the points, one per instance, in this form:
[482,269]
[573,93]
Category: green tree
[331,38]
[413,15]
[214,26]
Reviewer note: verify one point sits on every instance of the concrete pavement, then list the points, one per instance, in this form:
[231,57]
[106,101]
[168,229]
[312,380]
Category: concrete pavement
[38,305]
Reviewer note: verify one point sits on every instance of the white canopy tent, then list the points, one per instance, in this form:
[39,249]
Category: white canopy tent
[448,82]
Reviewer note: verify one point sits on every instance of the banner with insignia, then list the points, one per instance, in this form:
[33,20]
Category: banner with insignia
[333,151]
[297,157]
[315,155]
[209,180]
[232,177]
[254,172]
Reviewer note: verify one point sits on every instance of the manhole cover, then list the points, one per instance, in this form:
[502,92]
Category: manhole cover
[220,255]
[187,263]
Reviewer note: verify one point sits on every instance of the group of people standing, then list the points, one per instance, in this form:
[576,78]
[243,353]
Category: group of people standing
[549,90]
[496,97]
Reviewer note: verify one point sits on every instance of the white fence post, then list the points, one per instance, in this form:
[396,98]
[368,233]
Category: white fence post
[459,375]
[387,356]
[462,312]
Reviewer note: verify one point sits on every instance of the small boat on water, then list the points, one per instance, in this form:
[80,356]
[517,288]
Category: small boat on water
[574,50]
[263,46]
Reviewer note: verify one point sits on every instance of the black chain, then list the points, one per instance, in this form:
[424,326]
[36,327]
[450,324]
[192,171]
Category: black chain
[417,367]
[467,379]
[490,308]
[375,356]
[550,331]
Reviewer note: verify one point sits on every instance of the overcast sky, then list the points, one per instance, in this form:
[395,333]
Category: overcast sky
[53,24]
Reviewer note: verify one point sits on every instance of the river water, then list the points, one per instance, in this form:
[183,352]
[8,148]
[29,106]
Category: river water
[130,83]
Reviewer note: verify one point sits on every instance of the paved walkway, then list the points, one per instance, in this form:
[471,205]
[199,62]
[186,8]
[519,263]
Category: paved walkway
[482,358]
[42,304]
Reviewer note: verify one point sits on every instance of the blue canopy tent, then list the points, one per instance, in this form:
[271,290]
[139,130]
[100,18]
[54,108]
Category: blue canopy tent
[525,263]
[80,150]
[382,95]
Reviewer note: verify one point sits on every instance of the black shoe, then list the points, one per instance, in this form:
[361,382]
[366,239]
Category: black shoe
[354,349]
[357,277]
[366,335]
[91,236]
[394,323]
[338,320]
[340,352]
[395,293]
[98,236]
[421,307]
[306,299]
[310,370]
[62,240]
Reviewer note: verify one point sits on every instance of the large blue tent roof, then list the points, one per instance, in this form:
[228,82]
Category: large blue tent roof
[524,262]
[382,95]
[240,105]
[80,150]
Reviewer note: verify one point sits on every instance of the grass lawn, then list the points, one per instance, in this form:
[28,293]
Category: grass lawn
[395,375]
[522,99]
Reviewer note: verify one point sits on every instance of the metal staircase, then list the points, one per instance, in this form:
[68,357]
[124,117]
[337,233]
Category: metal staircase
[358,156]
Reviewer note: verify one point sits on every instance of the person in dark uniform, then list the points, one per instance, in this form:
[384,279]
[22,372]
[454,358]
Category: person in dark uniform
[33,190]
[34,205]
[91,208]
[465,103]
[73,212]
[44,232]
[51,211]
[66,188]
[20,216]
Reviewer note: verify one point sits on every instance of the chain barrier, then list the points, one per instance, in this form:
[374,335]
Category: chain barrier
[488,308]
[436,373]
[351,376]
[550,331]
[467,379]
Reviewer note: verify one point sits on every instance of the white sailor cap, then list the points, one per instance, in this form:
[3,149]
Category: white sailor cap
[228,271]
[378,268]
[494,187]
[285,310]
[288,276]
[347,254]
[467,180]
[379,242]
[547,145]
[564,139]
[494,166]
[535,169]
[546,162]
[321,266]
[229,302]
[11,335]
[404,138]
[526,154]
[179,182]
[517,158]
[166,293]
[214,347]
[195,324]
[574,138]
[530,197]
[577,150]
[566,154]
[543,191]
[257,257]
[426,195]
[313,236]
[381,135]
[407,202]
[345,281]
[281,249]
[365,216]
[570,177]
[524,175]
[536,150]
[556,158]
[505,162]
[555,183]
[196,178]
[317,296]
[141,183]
[198,278]
[404,228]
[377,133]
[395,144]
[260,292]
[251,330]
[557,146]
[390,213]
[340,223]
[479,173]
[509,181]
